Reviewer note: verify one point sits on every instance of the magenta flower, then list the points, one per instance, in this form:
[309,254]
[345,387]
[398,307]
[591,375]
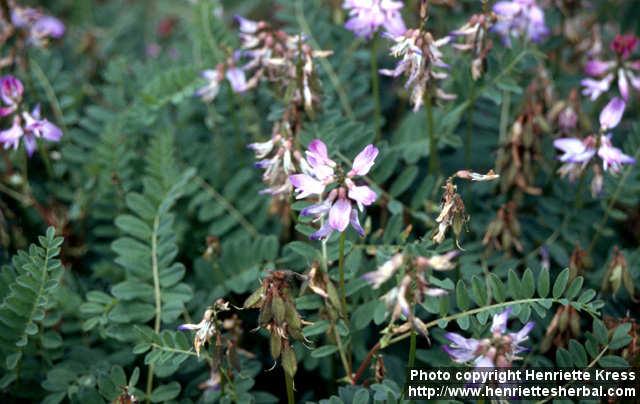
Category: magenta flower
[500,350]
[520,17]
[319,173]
[11,90]
[29,127]
[367,16]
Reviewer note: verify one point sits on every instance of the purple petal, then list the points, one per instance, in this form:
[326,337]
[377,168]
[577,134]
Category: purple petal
[623,84]
[49,26]
[237,79]
[597,67]
[323,233]
[340,214]
[355,222]
[363,195]
[30,144]
[245,25]
[364,161]
[612,113]
[499,324]
[305,185]
[317,209]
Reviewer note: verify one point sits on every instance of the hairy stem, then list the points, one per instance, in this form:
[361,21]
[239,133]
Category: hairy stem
[434,163]
[375,88]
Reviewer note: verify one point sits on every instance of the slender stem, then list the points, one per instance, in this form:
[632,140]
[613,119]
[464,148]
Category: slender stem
[156,292]
[504,115]
[469,137]
[375,88]
[412,349]
[289,382]
[433,142]
[343,294]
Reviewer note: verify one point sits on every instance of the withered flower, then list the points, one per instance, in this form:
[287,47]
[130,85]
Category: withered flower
[452,213]
[617,275]
[278,315]
[207,327]
[475,39]
[564,326]
[504,231]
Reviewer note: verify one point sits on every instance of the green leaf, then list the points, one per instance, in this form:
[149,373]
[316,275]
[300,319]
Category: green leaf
[462,296]
[363,314]
[611,361]
[528,284]
[165,392]
[323,351]
[560,283]
[543,282]
[574,288]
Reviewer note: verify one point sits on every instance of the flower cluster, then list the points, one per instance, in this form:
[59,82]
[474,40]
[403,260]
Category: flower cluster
[622,70]
[39,27]
[278,315]
[504,231]
[414,285]
[520,18]
[367,16]
[26,126]
[320,173]
[421,61]
[269,54]
[577,153]
[499,350]
[474,35]
[617,275]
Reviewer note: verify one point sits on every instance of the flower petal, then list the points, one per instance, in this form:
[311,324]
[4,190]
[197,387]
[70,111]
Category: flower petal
[355,222]
[612,113]
[363,195]
[340,214]
[499,324]
[364,161]
[305,185]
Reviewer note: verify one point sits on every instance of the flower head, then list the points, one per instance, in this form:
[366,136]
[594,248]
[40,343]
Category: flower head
[40,27]
[29,127]
[518,18]
[499,350]
[11,90]
[319,172]
[421,61]
[579,152]
[367,16]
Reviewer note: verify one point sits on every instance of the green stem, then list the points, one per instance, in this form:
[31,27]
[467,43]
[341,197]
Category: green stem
[412,349]
[289,382]
[433,142]
[156,292]
[343,294]
[469,137]
[375,88]
[504,115]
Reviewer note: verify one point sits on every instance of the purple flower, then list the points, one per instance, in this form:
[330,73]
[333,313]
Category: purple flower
[318,173]
[623,70]
[520,17]
[366,16]
[234,76]
[612,157]
[29,127]
[11,90]
[236,79]
[40,27]
[578,153]
[421,61]
[500,350]
[611,114]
